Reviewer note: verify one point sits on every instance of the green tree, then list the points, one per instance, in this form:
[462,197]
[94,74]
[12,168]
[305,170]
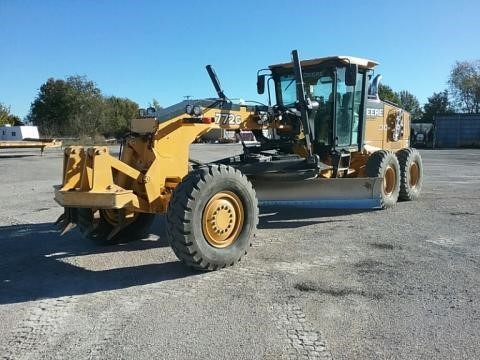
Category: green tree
[4,114]
[438,103]
[71,107]
[410,103]
[7,118]
[118,113]
[88,106]
[15,120]
[155,104]
[464,84]
[404,99]
[385,92]
[52,108]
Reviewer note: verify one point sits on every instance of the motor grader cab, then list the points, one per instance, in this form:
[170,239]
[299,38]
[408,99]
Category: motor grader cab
[330,111]
[333,141]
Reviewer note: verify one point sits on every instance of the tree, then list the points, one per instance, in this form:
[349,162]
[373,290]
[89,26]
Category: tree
[118,113]
[51,109]
[438,103]
[404,99]
[7,118]
[71,107]
[15,120]
[465,86]
[4,114]
[76,107]
[410,103]
[385,92]
[88,105]
[155,104]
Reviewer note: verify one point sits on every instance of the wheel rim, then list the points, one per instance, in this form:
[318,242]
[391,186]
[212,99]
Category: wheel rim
[414,174]
[223,218]
[389,181]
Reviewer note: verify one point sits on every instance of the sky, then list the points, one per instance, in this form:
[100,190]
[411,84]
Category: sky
[144,50]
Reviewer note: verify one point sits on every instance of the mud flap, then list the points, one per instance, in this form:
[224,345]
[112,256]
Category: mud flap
[345,193]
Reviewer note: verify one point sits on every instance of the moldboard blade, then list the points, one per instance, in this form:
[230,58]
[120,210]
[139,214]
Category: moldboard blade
[345,193]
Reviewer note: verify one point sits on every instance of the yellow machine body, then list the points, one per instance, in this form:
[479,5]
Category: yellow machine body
[349,146]
[152,163]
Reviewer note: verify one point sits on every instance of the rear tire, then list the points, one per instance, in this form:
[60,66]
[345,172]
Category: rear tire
[97,226]
[411,170]
[384,164]
[212,217]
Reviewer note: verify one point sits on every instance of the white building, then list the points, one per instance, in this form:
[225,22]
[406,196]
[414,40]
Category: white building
[8,132]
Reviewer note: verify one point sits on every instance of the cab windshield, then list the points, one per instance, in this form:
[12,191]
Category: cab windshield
[337,117]
[318,86]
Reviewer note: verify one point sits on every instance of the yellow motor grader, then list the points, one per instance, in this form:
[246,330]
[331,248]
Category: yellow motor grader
[328,139]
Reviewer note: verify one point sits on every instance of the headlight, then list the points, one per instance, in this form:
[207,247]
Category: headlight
[188,109]
[197,110]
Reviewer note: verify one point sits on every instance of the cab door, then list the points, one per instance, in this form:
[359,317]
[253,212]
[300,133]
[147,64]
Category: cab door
[348,111]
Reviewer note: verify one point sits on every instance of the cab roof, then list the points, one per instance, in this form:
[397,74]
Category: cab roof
[362,63]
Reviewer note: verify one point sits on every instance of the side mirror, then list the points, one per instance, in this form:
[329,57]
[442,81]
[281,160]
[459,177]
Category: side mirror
[351,74]
[260,84]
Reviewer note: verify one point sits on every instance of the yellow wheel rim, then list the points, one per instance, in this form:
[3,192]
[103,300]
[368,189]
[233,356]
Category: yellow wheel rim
[389,180]
[223,219]
[414,174]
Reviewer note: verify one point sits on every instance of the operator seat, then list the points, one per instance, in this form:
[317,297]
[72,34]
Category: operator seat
[323,120]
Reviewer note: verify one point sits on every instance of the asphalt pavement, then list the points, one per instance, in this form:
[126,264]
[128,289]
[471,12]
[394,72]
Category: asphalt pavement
[402,283]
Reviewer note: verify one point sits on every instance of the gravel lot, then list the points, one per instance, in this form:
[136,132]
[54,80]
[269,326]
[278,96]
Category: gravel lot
[402,283]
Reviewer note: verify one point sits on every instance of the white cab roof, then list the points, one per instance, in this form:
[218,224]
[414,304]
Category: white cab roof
[363,63]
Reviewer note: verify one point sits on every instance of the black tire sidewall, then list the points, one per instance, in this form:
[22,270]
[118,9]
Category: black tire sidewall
[185,212]
[406,158]
[233,252]
[377,165]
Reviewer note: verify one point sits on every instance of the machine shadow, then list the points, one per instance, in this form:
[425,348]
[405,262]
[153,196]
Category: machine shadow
[288,217]
[35,264]
[17,156]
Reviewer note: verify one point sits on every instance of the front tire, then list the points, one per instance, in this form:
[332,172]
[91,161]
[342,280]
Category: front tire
[411,170]
[384,164]
[212,217]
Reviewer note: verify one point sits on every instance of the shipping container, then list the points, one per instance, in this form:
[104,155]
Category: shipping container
[457,130]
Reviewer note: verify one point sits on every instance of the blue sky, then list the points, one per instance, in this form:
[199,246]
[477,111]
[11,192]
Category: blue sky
[158,49]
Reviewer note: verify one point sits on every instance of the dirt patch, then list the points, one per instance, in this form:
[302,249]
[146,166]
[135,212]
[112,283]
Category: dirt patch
[335,292]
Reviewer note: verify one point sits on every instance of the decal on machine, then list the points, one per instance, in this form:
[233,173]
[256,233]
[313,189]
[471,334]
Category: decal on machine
[227,119]
[374,112]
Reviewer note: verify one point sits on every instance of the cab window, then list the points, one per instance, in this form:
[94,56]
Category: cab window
[349,100]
